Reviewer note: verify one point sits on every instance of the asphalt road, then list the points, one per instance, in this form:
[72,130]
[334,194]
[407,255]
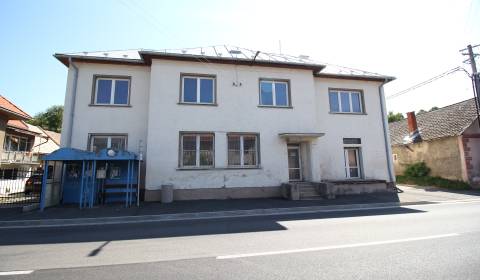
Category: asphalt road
[417,242]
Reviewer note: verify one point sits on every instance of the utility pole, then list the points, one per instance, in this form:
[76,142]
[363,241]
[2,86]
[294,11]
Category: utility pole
[475,78]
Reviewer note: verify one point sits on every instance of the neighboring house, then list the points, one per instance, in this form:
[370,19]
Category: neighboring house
[447,140]
[223,122]
[23,148]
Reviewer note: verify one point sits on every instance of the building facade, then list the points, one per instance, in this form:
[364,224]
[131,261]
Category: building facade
[216,126]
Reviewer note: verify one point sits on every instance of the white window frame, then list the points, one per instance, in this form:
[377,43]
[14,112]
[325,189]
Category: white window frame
[274,93]
[109,140]
[197,150]
[340,106]
[198,79]
[242,150]
[347,164]
[112,91]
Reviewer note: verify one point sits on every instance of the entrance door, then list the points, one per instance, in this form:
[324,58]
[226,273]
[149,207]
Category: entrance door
[294,164]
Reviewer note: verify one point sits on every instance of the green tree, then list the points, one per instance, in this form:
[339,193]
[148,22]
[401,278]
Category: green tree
[433,108]
[392,117]
[50,119]
[421,112]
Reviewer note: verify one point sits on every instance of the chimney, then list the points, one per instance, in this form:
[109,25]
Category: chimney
[412,123]
[413,132]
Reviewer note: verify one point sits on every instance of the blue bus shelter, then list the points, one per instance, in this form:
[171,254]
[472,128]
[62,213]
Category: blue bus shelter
[88,178]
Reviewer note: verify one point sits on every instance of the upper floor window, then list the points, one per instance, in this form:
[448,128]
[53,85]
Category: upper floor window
[198,89]
[242,150]
[15,143]
[99,142]
[275,93]
[113,91]
[196,149]
[345,101]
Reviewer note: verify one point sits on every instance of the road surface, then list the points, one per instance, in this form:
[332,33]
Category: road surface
[435,241]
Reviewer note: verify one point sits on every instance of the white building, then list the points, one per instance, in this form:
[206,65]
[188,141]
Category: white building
[223,122]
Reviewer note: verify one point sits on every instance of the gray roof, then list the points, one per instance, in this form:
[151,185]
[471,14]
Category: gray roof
[224,52]
[451,120]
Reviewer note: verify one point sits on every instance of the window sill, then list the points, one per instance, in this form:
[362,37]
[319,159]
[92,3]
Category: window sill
[275,107]
[346,113]
[197,104]
[110,105]
[218,168]
[194,168]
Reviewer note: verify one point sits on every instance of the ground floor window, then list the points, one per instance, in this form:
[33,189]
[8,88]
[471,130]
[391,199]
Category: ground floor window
[99,142]
[242,150]
[352,162]
[196,149]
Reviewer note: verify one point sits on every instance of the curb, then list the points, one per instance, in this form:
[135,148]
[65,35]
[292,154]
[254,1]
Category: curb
[214,215]
[193,216]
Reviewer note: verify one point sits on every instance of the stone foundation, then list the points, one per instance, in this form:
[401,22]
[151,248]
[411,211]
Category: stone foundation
[217,193]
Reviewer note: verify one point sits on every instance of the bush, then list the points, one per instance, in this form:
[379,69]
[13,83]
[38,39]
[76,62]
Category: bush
[433,181]
[419,169]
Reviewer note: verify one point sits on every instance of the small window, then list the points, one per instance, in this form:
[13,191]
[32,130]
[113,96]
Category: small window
[197,150]
[357,141]
[100,142]
[395,157]
[345,101]
[242,150]
[274,93]
[198,89]
[111,91]
[352,163]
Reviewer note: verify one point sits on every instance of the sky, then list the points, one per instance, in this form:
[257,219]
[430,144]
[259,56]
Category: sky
[411,40]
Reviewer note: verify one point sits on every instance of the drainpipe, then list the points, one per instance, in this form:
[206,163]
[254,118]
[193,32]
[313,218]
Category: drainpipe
[72,107]
[386,137]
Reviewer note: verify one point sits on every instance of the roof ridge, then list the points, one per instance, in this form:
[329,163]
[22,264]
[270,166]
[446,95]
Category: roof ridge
[6,99]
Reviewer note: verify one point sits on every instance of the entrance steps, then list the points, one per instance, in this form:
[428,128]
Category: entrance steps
[307,190]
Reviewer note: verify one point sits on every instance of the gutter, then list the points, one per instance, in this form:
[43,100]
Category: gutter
[72,107]
[386,137]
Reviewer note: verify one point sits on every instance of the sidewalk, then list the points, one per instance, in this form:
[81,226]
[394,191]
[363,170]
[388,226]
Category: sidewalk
[203,209]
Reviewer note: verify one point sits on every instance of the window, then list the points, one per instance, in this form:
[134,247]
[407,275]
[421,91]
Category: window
[352,163]
[345,101]
[356,141]
[100,142]
[111,91]
[274,93]
[16,143]
[198,89]
[242,150]
[197,150]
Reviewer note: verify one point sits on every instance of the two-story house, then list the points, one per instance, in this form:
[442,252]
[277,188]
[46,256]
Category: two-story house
[227,122]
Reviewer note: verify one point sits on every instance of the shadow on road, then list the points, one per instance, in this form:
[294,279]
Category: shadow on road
[137,231]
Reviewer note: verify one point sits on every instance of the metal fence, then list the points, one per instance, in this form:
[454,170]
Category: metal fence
[20,186]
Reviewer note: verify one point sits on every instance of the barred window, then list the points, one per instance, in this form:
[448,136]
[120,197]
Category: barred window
[197,150]
[242,150]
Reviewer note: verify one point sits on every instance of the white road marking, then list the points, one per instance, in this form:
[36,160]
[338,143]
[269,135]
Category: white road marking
[313,249]
[15,272]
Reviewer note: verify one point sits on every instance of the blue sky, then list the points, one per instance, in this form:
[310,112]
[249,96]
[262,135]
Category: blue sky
[407,39]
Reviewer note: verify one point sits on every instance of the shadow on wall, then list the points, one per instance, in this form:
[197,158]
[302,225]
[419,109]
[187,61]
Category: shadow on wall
[137,231]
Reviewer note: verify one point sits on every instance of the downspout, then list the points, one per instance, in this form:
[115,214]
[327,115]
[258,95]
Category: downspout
[386,136]
[72,107]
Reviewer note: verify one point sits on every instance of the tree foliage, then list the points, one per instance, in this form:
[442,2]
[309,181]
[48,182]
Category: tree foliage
[393,117]
[50,119]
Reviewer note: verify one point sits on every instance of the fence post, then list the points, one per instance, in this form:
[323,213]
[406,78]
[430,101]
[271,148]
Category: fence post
[44,185]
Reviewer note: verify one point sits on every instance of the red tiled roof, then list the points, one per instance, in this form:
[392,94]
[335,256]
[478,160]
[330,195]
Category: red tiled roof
[18,124]
[6,105]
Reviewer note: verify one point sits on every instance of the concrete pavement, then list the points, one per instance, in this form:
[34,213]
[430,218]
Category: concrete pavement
[214,209]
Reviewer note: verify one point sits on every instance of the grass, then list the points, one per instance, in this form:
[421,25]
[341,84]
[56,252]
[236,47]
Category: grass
[433,181]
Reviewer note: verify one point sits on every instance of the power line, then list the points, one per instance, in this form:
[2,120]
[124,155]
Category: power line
[444,74]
